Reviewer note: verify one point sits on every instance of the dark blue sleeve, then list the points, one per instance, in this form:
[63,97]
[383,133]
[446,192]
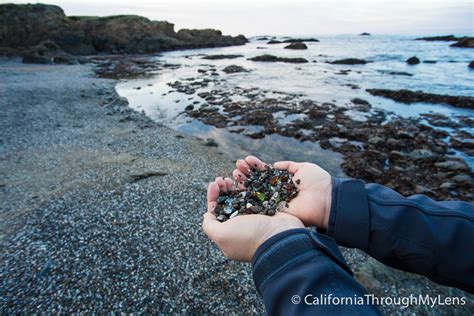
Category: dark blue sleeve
[415,234]
[301,272]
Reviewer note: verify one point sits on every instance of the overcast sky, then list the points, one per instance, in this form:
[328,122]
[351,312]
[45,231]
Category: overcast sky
[297,17]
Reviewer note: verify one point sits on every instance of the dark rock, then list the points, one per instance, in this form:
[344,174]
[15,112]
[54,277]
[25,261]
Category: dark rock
[397,73]
[216,57]
[360,101]
[471,64]
[349,61]
[234,69]
[189,108]
[271,58]
[429,61]
[33,59]
[145,175]
[274,42]
[297,45]
[364,34]
[27,25]
[408,96]
[299,40]
[413,60]
[466,42]
[443,38]
[210,143]
[453,165]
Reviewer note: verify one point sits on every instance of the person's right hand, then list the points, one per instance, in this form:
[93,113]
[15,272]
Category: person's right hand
[312,205]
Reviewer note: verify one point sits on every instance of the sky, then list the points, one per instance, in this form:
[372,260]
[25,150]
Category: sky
[297,17]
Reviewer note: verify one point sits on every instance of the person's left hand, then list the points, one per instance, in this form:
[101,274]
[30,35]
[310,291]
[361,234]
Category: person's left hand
[238,238]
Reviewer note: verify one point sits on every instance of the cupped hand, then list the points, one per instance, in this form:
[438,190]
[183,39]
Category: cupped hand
[312,205]
[239,237]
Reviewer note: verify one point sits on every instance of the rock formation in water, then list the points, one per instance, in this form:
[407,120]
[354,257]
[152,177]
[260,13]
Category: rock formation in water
[25,26]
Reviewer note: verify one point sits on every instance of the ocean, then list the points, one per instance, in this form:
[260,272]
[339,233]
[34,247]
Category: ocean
[445,73]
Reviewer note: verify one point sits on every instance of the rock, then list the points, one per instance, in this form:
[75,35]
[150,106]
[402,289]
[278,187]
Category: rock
[216,57]
[337,142]
[65,59]
[447,186]
[423,190]
[375,140]
[462,178]
[413,60]
[360,101]
[364,34]
[466,42]
[28,25]
[471,64]
[423,154]
[274,42]
[408,96]
[349,61]
[210,143]
[429,61]
[453,165]
[443,38]
[189,108]
[32,59]
[271,58]
[234,69]
[299,40]
[297,45]
[145,175]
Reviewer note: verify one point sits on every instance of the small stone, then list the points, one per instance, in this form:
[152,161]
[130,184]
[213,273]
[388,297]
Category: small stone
[271,212]
[298,181]
[248,205]
[256,209]
[234,214]
[221,218]
[265,204]
[228,210]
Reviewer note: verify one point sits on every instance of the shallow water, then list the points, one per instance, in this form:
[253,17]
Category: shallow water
[318,81]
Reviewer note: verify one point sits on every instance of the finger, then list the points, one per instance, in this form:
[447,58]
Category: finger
[239,176]
[212,194]
[221,183]
[291,166]
[229,183]
[211,226]
[255,163]
[243,167]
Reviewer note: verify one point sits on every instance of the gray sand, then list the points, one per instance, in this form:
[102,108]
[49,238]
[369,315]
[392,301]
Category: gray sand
[77,233]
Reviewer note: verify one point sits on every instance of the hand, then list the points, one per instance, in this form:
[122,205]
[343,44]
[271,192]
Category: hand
[312,205]
[238,238]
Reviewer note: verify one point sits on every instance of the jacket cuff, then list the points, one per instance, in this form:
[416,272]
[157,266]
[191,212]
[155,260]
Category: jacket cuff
[284,249]
[349,222]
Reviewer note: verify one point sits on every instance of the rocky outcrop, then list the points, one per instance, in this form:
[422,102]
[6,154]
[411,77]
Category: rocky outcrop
[25,26]
[216,57]
[442,38]
[466,42]
[297,45]
[296,40]
[232,69]
[349,61]
[471,64]
[413,60]
[271,58]
[408,96]
[364,34]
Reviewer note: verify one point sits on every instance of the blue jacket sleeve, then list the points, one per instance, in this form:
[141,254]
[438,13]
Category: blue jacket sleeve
[415,234]
[301,272]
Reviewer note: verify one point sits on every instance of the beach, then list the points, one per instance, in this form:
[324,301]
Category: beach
[102,208]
